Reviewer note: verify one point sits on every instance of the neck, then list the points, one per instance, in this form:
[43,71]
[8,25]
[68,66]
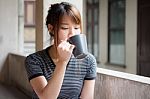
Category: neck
[53,53]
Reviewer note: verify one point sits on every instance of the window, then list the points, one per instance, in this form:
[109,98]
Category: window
[116,32]
[29,26]
[92,26]
[29,9]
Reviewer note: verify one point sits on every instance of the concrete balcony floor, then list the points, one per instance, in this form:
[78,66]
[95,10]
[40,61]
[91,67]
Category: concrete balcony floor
[8,92]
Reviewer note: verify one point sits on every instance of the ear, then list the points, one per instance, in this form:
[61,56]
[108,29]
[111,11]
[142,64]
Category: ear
[50,27]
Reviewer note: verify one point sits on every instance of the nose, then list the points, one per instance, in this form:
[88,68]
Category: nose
[72,32]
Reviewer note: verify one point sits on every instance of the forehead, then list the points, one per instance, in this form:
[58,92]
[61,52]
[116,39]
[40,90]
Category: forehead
[67,19]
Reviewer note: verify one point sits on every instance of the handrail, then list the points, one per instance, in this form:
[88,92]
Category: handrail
[123,75]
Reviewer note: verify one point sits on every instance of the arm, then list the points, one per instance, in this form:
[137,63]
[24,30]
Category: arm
[88,89]
[50,89]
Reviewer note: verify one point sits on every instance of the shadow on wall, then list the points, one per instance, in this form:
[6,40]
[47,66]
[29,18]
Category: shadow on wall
[4,71]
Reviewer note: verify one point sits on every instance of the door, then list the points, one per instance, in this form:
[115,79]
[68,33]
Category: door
[143,58]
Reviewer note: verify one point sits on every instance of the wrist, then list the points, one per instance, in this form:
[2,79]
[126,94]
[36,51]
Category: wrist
[62,63]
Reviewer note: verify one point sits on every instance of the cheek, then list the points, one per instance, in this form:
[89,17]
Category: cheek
[62,35]
[78,31]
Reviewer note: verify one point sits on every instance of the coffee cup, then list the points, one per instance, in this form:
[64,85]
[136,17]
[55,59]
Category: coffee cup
[80,51]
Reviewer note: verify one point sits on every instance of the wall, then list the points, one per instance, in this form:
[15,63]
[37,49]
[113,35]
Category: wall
[8,34]
[18,75]
[118,85]
[131,36]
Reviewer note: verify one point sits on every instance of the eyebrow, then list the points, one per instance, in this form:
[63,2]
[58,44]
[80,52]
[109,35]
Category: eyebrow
[64,23]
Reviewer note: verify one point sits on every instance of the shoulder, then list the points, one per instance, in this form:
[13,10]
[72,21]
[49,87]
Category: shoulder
[33,65]
[35,57]
[91,59]
[32,56]
[90,67]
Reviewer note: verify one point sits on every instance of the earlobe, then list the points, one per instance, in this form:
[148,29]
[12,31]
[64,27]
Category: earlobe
[50,27]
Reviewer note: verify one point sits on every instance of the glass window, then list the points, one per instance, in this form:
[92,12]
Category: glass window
[116,28]
[29,26]
[92,26]
[29,9]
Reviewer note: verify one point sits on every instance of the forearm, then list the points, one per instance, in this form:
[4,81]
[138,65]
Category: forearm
[88,89]
[52,89]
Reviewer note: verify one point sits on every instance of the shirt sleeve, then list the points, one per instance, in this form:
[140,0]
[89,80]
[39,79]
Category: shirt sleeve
[91,69]
[32,65]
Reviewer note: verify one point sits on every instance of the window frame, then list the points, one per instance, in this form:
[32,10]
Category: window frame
[115,29]
[94,4]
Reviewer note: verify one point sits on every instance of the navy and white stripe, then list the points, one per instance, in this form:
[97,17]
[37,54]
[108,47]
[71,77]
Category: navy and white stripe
[41,64]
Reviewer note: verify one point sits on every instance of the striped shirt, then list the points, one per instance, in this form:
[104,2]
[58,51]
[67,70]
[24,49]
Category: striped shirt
[78,70]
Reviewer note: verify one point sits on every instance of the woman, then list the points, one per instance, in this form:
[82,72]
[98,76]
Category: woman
[54,72]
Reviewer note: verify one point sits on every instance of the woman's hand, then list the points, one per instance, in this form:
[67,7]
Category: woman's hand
[64,51]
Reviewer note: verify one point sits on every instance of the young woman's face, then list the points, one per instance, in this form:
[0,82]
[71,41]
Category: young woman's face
[67,28]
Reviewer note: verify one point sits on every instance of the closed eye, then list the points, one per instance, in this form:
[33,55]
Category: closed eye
[64,28]
[76,27]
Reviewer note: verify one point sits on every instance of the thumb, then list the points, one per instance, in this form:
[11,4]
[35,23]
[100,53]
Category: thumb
[72,47]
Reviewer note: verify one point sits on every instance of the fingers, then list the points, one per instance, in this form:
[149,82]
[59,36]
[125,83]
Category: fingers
[66,46]
[65,50]
[72,47]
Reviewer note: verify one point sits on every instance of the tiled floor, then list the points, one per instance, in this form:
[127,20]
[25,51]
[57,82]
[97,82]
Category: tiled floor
[7,92]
